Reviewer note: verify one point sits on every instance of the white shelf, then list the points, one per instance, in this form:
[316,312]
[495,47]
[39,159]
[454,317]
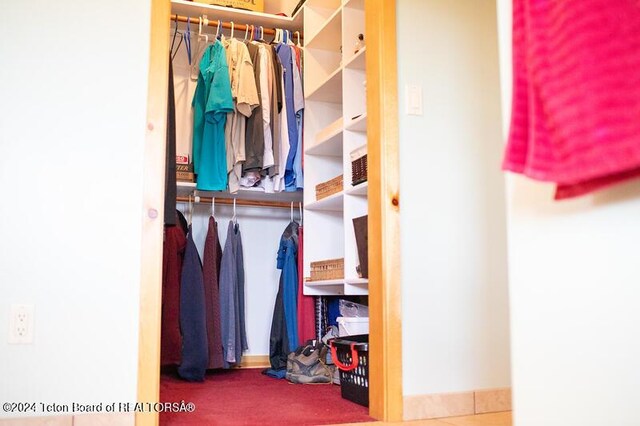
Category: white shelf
[330,144]
[329,36]
[330,90]
[333,203]
[357,281]
[254,194]
[358,61]
[325,282]
[358,125]
[361,189]
[238,16]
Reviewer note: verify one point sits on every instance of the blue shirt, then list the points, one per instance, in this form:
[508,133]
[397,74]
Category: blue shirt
[211,103]
[286,59]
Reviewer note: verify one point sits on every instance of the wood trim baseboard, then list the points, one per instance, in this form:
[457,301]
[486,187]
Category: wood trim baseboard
[153,213]
[434,406]
[255,361]
[385,338]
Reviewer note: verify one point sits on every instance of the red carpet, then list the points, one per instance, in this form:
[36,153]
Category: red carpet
[247,397]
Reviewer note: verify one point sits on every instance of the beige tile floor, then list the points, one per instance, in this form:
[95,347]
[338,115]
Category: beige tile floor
[493,419]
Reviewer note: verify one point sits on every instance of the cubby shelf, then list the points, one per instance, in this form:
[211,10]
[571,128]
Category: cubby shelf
[329,90]
[358,61]
[332,203]
[358,125]
[329,36]
[361,189]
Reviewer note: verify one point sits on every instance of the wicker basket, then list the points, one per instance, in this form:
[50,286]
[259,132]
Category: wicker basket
[331,269]
[359,166]
[333,186]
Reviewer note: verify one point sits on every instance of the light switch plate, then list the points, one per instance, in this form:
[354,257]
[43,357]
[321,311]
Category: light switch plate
[414,99]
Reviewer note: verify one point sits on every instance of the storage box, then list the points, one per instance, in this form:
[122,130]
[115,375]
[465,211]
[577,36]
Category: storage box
[253,5]
[348,326]
[359,166]
[331,269]
[351,356]
[333,186]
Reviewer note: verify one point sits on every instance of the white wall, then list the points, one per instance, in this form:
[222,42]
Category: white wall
[573,293]
[261,229]
[72,123]
[454,283]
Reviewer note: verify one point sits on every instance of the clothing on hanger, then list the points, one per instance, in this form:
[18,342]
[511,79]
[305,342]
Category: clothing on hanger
[245,97]
[195,356]
[254,140]
[306,304]
[212,102]
[234,337]
[170,190]
[175,242]
[212,258]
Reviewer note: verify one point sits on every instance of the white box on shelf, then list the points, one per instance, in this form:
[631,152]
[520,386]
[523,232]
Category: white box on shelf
[350,326]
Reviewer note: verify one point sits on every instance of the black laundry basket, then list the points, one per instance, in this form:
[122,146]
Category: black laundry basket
[351,355]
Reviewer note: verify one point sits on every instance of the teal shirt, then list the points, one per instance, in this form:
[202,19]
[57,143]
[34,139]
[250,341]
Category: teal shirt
[211,103]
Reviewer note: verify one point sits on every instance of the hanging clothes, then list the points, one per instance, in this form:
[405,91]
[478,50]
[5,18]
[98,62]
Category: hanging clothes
[288,264]
[195,356]
[254,141]
[170,191]
[576,93]
[245,97]
[284,329]
[298,103]
[285,146]
[234,336]
[279,348]
[211,273]
[173,248]
[212,102]
[306,304]
[286,59]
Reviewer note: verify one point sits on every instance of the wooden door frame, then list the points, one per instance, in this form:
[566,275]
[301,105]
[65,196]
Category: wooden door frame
[385,296]
[153,200]
[386,400]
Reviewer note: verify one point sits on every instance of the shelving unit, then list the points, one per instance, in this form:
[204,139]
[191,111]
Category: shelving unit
[335,76]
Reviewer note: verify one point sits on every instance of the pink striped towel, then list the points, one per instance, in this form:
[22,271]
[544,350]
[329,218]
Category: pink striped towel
[576,93]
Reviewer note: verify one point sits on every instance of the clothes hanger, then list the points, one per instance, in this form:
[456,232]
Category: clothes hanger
[175,33]
[300,207]
[190,211]
[298,34]
[234,219]
[232,28]
[213,206]
[203,20]
[246,32]
[218,32]
[186,36]
[292,211]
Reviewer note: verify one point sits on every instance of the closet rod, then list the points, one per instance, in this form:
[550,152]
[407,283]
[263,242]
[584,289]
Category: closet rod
[241,27]
[240,202]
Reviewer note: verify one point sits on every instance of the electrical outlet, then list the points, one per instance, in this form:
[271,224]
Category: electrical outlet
[21,324]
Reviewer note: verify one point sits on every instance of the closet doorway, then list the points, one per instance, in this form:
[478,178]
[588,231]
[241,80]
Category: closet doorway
[385,345]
